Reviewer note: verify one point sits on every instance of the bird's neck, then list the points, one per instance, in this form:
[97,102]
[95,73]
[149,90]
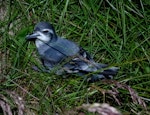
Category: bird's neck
[39,43]
[41,46]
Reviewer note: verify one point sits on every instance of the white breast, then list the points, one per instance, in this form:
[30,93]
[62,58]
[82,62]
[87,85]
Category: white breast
[41,46]
[38,43]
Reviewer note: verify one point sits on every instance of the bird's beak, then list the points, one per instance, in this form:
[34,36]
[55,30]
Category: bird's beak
[32,36]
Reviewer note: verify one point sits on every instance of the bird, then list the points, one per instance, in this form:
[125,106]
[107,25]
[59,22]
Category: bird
[64,56]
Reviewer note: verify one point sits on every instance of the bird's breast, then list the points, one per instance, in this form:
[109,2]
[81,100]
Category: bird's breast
[50,54]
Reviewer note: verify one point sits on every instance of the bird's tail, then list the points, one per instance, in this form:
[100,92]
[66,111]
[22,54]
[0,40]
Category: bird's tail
[96,71]
[106,72]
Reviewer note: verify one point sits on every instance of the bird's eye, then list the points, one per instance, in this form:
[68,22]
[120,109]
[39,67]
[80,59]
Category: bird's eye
[45,31]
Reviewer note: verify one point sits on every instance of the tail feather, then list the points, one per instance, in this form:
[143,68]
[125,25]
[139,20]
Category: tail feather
[107,73]
[111,71]
[100,71]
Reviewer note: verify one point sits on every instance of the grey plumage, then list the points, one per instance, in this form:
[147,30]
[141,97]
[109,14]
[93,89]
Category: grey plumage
[66,55]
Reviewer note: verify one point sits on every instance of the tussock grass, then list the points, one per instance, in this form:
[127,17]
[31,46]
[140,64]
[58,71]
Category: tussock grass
[112,31]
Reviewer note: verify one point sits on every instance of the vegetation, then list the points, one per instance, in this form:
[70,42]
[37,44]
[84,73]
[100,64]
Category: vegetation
[112,31]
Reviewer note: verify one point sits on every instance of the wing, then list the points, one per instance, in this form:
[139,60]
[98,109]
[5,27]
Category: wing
[82,63]
[66,47]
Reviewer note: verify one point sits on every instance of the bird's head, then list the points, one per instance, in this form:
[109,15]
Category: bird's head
[44,32]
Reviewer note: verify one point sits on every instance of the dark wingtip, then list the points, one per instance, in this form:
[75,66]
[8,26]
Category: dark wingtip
[106,74]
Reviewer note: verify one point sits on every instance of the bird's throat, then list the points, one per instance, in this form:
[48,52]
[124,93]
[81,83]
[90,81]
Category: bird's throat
[39,43]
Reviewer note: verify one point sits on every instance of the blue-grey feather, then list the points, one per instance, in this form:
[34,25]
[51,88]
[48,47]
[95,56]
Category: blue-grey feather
[69,56]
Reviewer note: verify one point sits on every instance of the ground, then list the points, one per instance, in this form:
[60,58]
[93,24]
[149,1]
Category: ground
[115,32]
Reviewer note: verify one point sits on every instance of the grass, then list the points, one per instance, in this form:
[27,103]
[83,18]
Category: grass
[115,32]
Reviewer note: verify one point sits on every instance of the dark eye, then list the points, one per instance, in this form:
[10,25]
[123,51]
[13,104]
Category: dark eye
[45,31]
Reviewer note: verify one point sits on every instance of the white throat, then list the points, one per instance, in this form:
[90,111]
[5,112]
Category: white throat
[41,39]
[39,43]
[41,46]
